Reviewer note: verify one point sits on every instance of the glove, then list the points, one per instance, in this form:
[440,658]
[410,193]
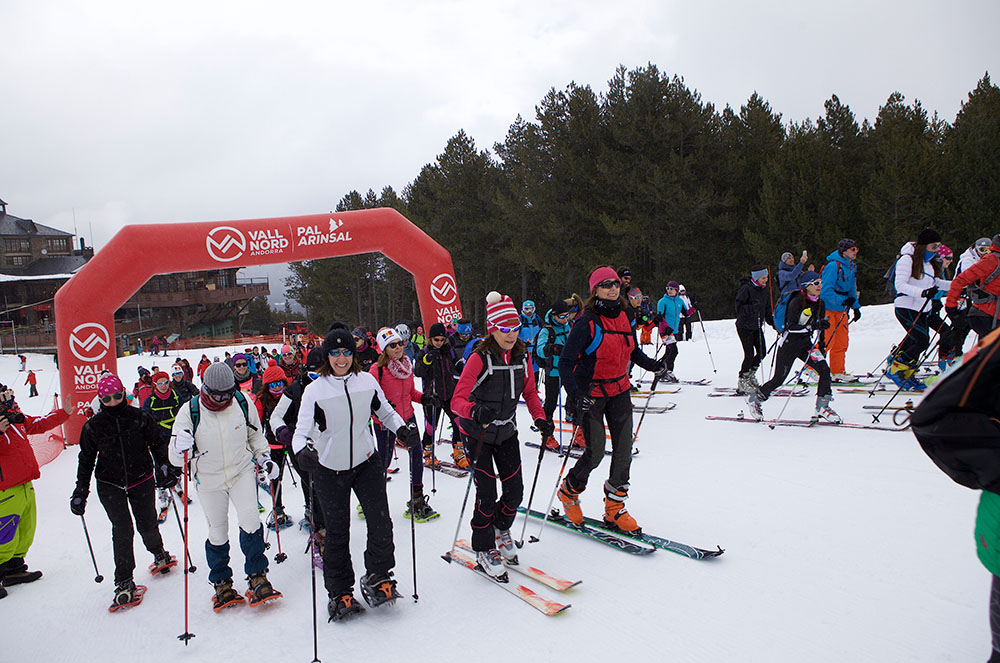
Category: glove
[857,315]
[432,400]
[483,414]
[307,459]
[849,302]
[821,324]
[408,435]
[545,427]
[583,405]
[432,355]
[183,441]
[165,476]
[928,293]
[78,503]
[952,312]
[284,435]
[266,469]
[661,372]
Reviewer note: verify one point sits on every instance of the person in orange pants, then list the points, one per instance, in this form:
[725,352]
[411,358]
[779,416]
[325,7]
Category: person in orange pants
[840,296]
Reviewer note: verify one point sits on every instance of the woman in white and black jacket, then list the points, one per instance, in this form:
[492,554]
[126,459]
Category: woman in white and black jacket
[332,441]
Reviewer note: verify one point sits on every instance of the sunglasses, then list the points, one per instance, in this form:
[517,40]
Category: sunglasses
[111,398]
[983,250]
[162,383]
[287,354]
[610,283]
[395,344]
[816,282]
[239,364]
[340,352]
[274,386]
[561,315]
[507,330]
[312,375]
[220,396]
[438,339]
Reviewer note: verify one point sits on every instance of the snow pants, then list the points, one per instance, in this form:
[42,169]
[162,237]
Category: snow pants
[836,339]
[333,492]
[431,417]
[553,384]
[117,501]
[17,521]
[753,349]
[917,340]
[242,492]
[496,461]
[254,561]
[386,439]
[670,355]
[797,346]
[617,410]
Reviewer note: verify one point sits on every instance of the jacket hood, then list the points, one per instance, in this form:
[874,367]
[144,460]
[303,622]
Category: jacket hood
[835,256]
[907,249]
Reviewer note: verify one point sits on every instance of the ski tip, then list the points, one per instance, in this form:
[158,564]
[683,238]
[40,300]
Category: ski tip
[533,539]
[446,557]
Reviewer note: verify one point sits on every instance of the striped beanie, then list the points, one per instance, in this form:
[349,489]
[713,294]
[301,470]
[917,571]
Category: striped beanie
[500,312]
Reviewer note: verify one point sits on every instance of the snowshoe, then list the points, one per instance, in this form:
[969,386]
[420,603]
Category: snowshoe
[755,405]
[260,590]
[379,589]
[490,562]
[225,596]
[343,607]
[162,563]
[306,522]
[505,544]
[421,509]
[127,594]
[279,517]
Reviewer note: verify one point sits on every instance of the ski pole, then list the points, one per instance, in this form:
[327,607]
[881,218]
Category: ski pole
[930,346]
[187,634]
[538,468]
[313,536]
[805,364]
[187,559]
[280,557]
[635,435]
[468,488]
[413,530]
[434,440]
[705,335]
[97,578]
[552,499]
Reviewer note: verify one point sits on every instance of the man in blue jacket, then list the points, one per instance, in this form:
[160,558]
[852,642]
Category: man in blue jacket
[840,296]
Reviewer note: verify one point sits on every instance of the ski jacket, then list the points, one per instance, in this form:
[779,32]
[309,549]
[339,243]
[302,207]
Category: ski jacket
[969,258]
[163,409]
[671,309]
[188,372]
[249,383]
[17,458]
[909,290]
[978,273]
[436,366]
[291,370]
[125,446]
[753,305]
[550,342]
[142,390]
[597,354]
[31,378]
[529,329]
[788,278]
[400,392]
[334,416]
[499,382]
[840,277]
[803,317]
[185,389]
[226,444]
[202,365]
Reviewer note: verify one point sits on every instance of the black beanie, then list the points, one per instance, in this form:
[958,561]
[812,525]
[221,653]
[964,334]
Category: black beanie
[315,358]
[559,307]
[928,236]
[437,329]
[338,337]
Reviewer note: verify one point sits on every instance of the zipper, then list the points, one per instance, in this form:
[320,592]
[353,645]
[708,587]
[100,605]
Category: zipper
[350,429]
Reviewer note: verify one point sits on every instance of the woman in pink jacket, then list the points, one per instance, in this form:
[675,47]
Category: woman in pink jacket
[394,373]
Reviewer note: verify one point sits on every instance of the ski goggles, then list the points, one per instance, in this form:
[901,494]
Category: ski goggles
[111,398]
[275,386]
[813,282]
[220,396]
[561,316]
[609,283]
[340,352]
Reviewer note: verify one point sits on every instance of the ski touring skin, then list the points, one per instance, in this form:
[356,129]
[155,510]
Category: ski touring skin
[543,605]
[657,541]
[607,538]
[655,409]
[536,574]
[804,423]
[731,391]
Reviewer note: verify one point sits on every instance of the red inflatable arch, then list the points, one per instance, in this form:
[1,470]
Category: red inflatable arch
[85,305]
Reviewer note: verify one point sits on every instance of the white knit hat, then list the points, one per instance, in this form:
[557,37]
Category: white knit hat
[385,336]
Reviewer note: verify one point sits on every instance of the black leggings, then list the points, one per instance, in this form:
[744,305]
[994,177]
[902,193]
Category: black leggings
[117,501]
[753,349]
[797,346]
[552,387]
[496,461]
[917,340]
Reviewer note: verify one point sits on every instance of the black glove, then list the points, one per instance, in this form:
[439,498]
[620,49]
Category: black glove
[583,405]
[821,324]
[545,427]
[661,372]
[432,355]
[483,414]
[954,314]
[849,302]
[307,459]
[432,400]
[165,476]
[78,503]
[857,314]
[408,435]
[929,292]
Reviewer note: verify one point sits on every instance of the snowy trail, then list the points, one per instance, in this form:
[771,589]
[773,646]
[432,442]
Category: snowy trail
[841,545]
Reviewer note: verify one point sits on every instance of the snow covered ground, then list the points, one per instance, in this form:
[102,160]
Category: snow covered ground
[841,545]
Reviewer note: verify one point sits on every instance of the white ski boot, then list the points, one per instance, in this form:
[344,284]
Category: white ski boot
[491,562]
[755,405]
[505,544]
[825,412]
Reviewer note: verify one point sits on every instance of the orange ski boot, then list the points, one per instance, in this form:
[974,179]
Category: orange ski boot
[615,514]
[571,503]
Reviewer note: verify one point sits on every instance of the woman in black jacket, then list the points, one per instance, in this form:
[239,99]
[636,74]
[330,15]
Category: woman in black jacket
[124,444]
[435,364]
[753,309]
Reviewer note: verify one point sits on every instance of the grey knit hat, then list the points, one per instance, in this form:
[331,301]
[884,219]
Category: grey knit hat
[219,377]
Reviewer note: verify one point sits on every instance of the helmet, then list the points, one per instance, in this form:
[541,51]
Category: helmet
[982,246]
[403,330]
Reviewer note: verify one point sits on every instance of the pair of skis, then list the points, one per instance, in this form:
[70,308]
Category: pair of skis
[803,423]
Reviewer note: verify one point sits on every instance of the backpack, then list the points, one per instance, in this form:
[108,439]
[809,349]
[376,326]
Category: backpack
[958,422]
[240,399]
[976,292]
[890,279]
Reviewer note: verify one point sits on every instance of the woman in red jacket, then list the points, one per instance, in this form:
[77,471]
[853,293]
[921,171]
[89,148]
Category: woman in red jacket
[394,373]
[18,468]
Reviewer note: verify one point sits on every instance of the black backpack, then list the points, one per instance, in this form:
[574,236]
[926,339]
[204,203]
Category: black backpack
[958,422]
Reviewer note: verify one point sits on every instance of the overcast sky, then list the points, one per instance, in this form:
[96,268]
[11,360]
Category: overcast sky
[135,112]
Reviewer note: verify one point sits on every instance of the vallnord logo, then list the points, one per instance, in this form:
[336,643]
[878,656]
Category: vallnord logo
[443,289]
[225,243]
[92,346]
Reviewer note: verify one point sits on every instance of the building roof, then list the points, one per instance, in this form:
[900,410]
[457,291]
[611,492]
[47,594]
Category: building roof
[13,225]
[13,278]
[54,265]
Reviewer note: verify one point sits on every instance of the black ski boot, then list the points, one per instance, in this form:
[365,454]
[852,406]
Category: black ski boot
[379,588]
[343,606]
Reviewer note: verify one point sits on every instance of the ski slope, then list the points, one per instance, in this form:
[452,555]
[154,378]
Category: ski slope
[841,545]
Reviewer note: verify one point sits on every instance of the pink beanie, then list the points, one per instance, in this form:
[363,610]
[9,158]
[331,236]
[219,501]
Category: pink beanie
[109,384]
[500,312]
[602,274]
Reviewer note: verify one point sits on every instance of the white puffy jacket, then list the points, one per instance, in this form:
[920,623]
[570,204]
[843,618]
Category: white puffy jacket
[909,289]
[224,446]
[334,415]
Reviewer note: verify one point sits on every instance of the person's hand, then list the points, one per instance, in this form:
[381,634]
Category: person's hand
[408,435]
[804,258]
[821,324]
[78,503]
[183,442]
[165,476]
[483,414]
[545,427]
[661,372]
[557,349]
[267,467]
[68,406]
[583,405]
[4,424]
[307,459]
[857,315]
[431,400]
[849,302]
[953,313]
[929,292]
[284,435]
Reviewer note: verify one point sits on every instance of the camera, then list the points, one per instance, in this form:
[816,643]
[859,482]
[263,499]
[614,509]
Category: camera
[13,417]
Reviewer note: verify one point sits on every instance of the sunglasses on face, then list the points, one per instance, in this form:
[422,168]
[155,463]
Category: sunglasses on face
[561,316]
[340,352]
[239,364]
[287,354]
[396,344]
[111,398]
[275,386]
[610,283]
[438,339]
[220,396]
[312,375]
[508,330]
[162,383]
[816,282]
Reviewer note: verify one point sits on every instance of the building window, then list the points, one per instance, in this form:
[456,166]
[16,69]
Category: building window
[18,261]
[57,245]
[17,246]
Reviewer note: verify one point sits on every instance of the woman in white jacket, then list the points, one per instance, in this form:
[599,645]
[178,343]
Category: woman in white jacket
[917,286]
[333,443]
[221,431]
